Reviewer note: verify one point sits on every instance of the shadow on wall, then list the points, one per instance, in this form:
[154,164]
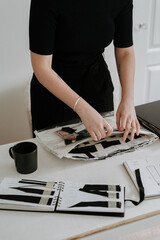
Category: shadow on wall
[15,103]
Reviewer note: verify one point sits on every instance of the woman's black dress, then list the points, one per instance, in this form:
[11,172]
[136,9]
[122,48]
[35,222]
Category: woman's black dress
[76,32]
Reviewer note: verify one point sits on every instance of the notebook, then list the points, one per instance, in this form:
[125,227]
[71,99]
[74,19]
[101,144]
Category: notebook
[150,174]
[62,197]
[149,116]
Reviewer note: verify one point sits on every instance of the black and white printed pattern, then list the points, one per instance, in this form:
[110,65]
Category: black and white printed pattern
[84,148]
[68,197]
[91,198]
[23,194]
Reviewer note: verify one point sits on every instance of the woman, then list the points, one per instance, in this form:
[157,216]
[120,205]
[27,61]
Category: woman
[71,78]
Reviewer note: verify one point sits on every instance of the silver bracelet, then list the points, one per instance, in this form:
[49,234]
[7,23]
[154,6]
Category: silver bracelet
[74,108]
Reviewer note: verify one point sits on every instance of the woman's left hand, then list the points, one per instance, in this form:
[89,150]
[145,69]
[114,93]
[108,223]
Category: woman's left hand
[126,119]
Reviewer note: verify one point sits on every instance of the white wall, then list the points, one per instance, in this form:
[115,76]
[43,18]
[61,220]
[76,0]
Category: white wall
[15,70]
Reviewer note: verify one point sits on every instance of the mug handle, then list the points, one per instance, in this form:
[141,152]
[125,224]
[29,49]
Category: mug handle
[11,152]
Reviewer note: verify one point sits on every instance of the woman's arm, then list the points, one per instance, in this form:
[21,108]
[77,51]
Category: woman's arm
[126,116]
[93,121]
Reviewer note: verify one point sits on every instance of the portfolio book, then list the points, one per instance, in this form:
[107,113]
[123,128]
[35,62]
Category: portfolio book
[62,197]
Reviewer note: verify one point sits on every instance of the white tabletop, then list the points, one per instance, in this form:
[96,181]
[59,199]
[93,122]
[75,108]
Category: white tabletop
[26,225]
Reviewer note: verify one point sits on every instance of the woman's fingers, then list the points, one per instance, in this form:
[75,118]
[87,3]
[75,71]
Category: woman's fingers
[127,129]
[108,128]
[93,136]
[126,120]
[131,127]
[123,121]
[98,134]
[137,127]
[101,131]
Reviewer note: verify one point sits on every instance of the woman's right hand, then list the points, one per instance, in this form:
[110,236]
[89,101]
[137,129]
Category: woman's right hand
[95,124]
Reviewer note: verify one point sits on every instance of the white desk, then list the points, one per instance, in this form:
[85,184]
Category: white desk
[37,226]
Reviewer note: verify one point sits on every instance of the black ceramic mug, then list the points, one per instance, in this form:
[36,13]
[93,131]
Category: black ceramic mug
[25,157]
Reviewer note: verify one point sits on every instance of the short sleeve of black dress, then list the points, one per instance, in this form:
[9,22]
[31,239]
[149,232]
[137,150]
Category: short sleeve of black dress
[123,26]
[42,26]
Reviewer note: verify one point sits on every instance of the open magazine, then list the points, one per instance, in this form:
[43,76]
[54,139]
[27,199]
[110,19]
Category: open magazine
[62,197]
[74,142]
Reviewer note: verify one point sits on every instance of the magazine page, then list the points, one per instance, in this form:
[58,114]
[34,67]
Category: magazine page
[26,194]
[101,199]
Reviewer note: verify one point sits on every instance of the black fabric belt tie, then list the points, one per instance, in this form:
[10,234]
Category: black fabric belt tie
[141,189]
